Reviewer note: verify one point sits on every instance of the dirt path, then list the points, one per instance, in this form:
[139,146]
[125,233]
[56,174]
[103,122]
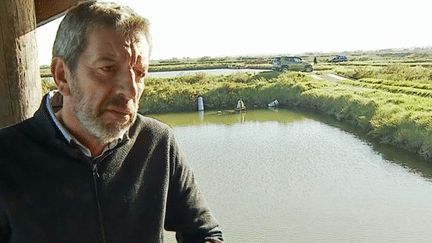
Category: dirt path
[330,77]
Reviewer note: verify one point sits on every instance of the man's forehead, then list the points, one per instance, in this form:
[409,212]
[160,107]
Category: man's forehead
[108,44]
[140,45]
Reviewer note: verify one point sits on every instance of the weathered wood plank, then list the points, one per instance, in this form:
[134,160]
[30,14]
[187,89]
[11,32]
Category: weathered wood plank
[20,86]
[47,10]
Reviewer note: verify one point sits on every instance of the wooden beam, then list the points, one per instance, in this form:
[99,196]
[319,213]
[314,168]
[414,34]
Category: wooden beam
[47,10]
[20,84]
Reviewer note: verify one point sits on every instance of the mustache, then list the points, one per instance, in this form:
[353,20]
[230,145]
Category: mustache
[118,100]
[121,102]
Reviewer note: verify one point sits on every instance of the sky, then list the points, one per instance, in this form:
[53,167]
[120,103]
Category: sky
[198,28]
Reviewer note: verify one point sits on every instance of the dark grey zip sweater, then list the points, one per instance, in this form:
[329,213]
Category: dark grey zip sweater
[52,192]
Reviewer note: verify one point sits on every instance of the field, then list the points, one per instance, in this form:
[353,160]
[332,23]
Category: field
[388,93]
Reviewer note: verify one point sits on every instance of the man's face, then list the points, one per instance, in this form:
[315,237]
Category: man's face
[108,83]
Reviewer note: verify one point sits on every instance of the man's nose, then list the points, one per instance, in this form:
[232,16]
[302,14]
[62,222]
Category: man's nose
[127,85]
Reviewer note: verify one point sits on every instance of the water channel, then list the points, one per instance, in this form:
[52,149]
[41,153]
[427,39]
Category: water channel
[206,71]
[220,71]
[290,176]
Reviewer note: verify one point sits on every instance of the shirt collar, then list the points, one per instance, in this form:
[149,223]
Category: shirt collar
[54,101]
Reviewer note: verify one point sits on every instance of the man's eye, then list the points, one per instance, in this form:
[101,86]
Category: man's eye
[108,68]
[139,73]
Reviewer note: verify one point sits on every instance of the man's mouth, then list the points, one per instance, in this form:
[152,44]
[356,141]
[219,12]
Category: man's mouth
[122,115]
[121,112]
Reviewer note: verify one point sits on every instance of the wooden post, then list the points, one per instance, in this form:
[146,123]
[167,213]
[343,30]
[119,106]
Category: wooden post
[20,84]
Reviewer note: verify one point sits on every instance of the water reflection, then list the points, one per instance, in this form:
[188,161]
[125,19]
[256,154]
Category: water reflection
[409,160]
[288,177]
[230,117]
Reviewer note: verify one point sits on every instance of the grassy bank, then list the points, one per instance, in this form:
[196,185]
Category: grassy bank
[396,111]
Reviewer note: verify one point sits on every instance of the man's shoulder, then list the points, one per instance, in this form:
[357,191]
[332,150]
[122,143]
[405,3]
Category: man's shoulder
[151,122]
[16,130]
[18,138]
[150,125]
[36,127]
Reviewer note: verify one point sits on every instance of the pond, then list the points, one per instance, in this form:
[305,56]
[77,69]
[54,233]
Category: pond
[289,176]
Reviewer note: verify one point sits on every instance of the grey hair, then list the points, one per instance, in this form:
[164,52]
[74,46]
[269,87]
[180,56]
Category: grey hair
[71,38]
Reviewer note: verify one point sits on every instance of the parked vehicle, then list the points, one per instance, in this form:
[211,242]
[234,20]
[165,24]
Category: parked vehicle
[338,59]
[291,63]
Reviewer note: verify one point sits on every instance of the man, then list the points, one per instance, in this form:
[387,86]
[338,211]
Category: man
[87,167]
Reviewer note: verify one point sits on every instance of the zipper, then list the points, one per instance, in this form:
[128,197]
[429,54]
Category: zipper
[95,178]
[95,174]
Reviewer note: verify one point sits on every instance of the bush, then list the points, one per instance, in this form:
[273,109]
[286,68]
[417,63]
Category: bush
[47,85]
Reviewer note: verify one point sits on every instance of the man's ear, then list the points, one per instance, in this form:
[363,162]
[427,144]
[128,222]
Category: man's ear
[62,75]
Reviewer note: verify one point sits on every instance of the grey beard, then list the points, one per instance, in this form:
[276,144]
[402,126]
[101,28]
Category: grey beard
[93,124]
